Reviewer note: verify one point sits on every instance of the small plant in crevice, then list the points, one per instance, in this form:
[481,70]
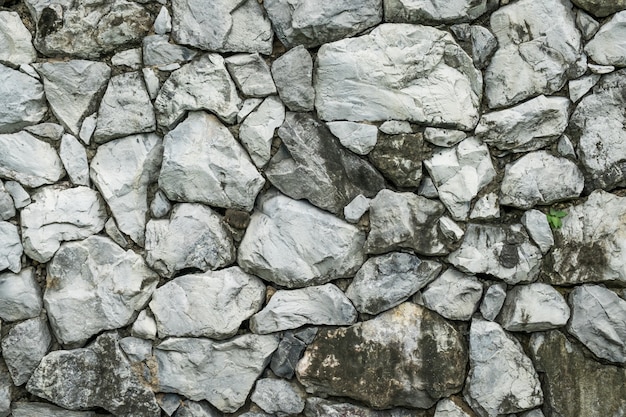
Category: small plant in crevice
[554,218]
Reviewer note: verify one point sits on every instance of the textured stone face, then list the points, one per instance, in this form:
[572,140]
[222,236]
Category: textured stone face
[532,308]
[22,101]
[435,11]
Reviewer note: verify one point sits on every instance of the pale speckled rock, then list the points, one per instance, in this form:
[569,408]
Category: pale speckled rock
[360,138]
[385,281]
[194,367]
[136,349]
[145,326]
[293,75]
[601,8]
[278,396]
[160,205]
[5,391]
[248,106]
[22,101]
[538,228]
[502,251]
[20,197]
[317,305]
[17,47]
[486,207]
[601,69]
[24,346]
[74,158]
[50,131]
[450,229]
[400,157]
[435,11]
[533,308]
[502,379]
[94,285]
[20,297]
[257,130]
[540,178]
[202,84]
[538,45]
[87,128]
[131,58]
[529,126]
[608,46]
[493,301]
[196,409]
[163,22]
[218,172]
[170,403]
[11,248]
[158,51]
[122,170]
[356,208]
[251,74]
[295,244]
[352,356]
[484,44]
[599,321]
[453,294]
[588,25]
[213,304]
[453,407]
[7,207]
[153,84]
[581,86]
[395,127]
[33,409]
[365,78]
[565,147]
[111,229]
[311,23]
[443,137]
[319,407]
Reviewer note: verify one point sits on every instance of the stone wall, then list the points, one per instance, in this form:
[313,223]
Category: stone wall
[374,208]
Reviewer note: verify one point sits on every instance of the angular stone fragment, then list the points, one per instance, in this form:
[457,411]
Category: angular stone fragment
[502,379]
[22,101]
[538,45]
[601,8]
[293,75]
[529,126]
[111,229]
[157,51]
[5,391]
[10,247]
[17,47]
[74,158]
[319,407]
[213,304]
[399,158]
[163,22]
[290,350]
[94,285]
[315,167]
[7,207]
[24,347]
[502,251]
[294,244]
[251,74]
[588,25]
[290,309]
[145,326]
[486,207]
[257,130]
[533,308]
[360,138]
[599,321]
[395,127]
[122,170]
[20,197]
[581,86]
[355,356]
[356,208]
[385,281]
[537,226]
[311,23]
[493,301]
[278,396]
[454,295]
[443,137]
[205,84]
[196,409]
[51,131]
[435,11]
[20,297]
[217,172]
[194,368]
[160,205]
[453,407]
[33,409]
[96,376]
[384,76]
[540,178]
[130,58]
[136,349]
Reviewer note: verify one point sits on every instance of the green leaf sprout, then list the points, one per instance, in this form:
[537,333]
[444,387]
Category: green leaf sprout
[554,218]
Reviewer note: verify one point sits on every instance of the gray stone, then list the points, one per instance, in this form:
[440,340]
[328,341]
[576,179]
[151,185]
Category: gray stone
[88,127]
[94,285]
[484,44]
[453,407]
[502,379]
[399,158]
[236,26]
[294,244]
[158,51]
[20,197]
[160,205]
[153,84]
[10,247]
[50,131]
[493,301]
[125,109]
[163,22]
[311,23]
[383,76]
[529,126]
[395,127]
[418,231]
[533,308]
[293,75]
[460,173]
[32,409]
[16,40]
[24,347]
[278,397]
[353,357]
[601,8]
[540,178]
[196,409]
[251,74]
[218,172]
[96,376]
[443,137]
[537,226]
[504,252]
[435,11]
[385,281]
[427,188]
[22,101]
[194,367]
[20,297]
[356,208]
[213,304]
[111,229]
[318,407]
[137,350]
[7,207]
[601,69]
[290,350]
[202,84]
[599,321]
[131,58]
[122,170]
[454,295]
[538,44]
[58,215]
[317,305]
[588,25]
[145,326]
[257,130]
[486,207]
[248,106]
[315,167]
[169,403]
[450,229]
[5,391]
[565,147]
[360,138]
[74,158]
[581,86]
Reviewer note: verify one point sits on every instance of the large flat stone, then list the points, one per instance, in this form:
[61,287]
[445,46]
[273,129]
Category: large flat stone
[22,101]
[17,41]
[435,11]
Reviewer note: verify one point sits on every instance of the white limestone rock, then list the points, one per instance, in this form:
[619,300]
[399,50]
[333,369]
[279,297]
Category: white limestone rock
[251,74]
[486,207]
[88,127]
[395,127]
[122,170]
[565,148]
[160,205]
[588,25]
[35,409]
[435,11]
[17,46]
[360,138]
[257,130]
[529,126]
[50,131]
[445,138]
[608,46]
[20,197]
[20,297]
[248,106]
[218,172]
[195,409]
[278,397]
[158,51]
[111,229]
[581,86]
[356,208]
[24,346]
[450,229]
[493,301]
[453,407]
[74,158]
[163,22]
[295,244]
[317,305]
[7,207]
[145,326]
[94,285]
[293,75]
[533,308]
[136,349]
[601,69]
[11,248]
[540,178]
[454,295]
[22,101]
[383,76]
[131,58]
[538,228]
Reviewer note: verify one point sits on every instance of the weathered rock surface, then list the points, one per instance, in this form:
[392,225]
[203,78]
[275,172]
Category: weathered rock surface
[435,11]
[193,237]
[257,130]
[504,252]
[319,407]
[20,297]
[290,350]
[158,51]
[399,158]
[293,75]
[160,205]
[385,281]
[16,40]
[195,368]
[367,78]
[32,409]
[502,379]
[163,22]
[24,347]
[356,208]
[218,172]
[122,170]
[317,305]
[601,8]
[294,244]
[11,248]
[599,321]
[251,74]
[195,409]
[96,376]
[277,396]
[5,390]
[533,308]
[94,285]
[7,207]
[443,137]
[537,226]
[315,167]
[22,101]
[581,86]
[74,158]
[454,295]
[58,215]
[360,138]
[493,301]
[310,23]
[357,355]
[213,304]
